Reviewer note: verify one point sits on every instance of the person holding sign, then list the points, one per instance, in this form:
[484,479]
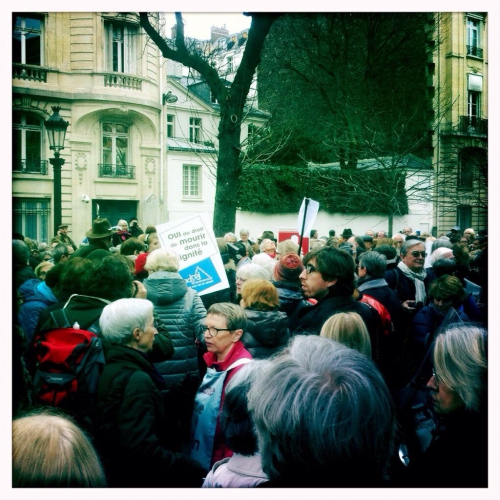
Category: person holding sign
[225,323]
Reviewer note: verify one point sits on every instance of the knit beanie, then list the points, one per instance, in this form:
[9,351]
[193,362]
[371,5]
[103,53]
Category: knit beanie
[140,262]
[288,267]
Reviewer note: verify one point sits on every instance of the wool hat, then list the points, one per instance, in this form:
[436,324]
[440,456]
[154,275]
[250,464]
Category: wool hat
[288,267]
[100,229]
[346,233]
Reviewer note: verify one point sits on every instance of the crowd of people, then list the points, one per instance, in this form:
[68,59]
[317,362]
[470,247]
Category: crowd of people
[309,370]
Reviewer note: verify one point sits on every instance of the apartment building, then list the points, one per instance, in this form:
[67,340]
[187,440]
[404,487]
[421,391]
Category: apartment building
[458,82]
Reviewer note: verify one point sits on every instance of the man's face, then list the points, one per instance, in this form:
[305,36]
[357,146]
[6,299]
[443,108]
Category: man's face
[63,230]
[368,245]
[380,234]
[415,257]
[370,233]
[313,284]
[398,240]
[407,231]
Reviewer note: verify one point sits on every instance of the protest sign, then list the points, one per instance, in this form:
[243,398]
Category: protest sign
[193,240]
[294,235]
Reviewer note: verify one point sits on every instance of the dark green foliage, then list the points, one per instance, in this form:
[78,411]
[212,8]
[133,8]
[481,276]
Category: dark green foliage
[276,189]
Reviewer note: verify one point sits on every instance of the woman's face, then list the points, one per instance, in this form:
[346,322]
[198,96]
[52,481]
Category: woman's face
[239,284]
[270,247]
[123,225]
[221,343]
[464,241]
[443,305]
[445,399]
[244,236]
[153,243]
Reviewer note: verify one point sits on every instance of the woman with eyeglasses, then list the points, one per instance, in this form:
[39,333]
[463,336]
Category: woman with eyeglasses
[133,434]
[226,354]
[457,456]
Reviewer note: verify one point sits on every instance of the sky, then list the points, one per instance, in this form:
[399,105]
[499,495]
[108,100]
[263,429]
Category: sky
[197,25]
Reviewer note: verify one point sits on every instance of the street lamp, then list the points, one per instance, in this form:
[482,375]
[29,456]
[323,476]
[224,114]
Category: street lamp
[56,131]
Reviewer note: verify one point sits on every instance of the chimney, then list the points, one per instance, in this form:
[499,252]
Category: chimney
[218,32]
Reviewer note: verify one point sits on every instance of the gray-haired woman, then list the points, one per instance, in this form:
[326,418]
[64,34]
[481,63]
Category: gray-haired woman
[457,456]
[132,431]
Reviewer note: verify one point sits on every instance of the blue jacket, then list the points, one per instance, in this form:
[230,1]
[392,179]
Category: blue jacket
[36,297]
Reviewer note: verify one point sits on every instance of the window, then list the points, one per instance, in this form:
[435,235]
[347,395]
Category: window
[191,181]
[473,107]
[464,216]
[229,65]
[27,41]
[170,126]
[115,150]
[195,130]
[473,162]
[120,47]
[31,218]
[27,143]
[473,48]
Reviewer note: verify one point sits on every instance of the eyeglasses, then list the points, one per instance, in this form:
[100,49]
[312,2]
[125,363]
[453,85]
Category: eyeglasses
[417,254]
[215,331]
[436,378]
[310,268]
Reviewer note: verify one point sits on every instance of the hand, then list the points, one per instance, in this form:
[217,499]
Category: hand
[140,290]
[408,305]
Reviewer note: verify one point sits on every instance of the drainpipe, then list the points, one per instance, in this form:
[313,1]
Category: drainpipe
[162,132]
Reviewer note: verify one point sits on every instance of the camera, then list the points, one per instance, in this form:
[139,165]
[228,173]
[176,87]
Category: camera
[235,251]
[134,224]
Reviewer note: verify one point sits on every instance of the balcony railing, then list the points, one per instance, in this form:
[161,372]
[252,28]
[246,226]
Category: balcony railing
[117,80]
[473,125]
[30,167]
[27,72]
[473,50]
[116,171]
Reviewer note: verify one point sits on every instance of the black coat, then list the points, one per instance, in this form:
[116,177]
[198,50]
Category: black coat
[311,319]
[132,431]
[266,333]
[291,299]
[457,456]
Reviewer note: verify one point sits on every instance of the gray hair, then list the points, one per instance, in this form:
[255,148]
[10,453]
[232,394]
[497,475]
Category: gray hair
[120,318]
[231,237]
[460,361]
[236,421]
[287,246]
[58,251]
[266,262]
[410,243]
[249,271]
[375,264]
[244,231]
[440,243]
[162,259]
[320,406]
[235,315]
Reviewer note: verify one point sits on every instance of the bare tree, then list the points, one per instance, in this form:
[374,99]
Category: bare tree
[231,100]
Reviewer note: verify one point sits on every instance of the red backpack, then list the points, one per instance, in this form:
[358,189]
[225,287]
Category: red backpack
[69,363]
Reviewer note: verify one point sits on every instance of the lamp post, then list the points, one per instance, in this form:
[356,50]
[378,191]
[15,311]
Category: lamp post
[56,131]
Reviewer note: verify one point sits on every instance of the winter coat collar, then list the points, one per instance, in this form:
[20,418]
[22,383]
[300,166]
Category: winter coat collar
[237,351]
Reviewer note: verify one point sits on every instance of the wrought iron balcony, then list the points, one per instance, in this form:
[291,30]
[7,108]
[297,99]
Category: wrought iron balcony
[473,50]
[30,166]
[473,125]
[124,81]
[116,171]
[28,72]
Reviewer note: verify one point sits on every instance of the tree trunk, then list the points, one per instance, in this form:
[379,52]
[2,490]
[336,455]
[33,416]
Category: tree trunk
[228,177]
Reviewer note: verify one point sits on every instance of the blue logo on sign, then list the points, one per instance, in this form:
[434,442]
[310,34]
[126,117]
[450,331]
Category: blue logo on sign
[201,275]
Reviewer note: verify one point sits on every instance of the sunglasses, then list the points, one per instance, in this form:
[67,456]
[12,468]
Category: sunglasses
[416,254]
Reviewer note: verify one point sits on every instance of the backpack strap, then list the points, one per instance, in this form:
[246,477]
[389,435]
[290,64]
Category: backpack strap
[238,362]
[61,320]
